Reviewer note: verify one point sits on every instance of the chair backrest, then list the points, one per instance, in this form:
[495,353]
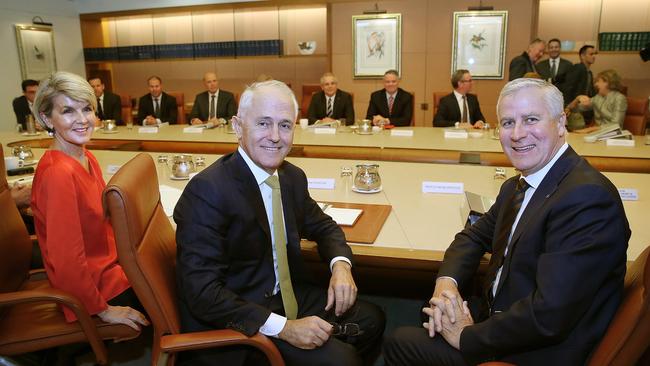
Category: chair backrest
[636,116]
[127,108]
[15,245]
[628,335]
[180,107]
[145,239]
[413,110]
[308,91]
[436,100]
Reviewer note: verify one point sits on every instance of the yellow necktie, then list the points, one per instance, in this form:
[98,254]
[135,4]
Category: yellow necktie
[280,244]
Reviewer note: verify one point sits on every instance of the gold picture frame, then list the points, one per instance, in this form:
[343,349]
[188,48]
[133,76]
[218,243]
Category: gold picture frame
[35,50]
[377,44]
[479,43]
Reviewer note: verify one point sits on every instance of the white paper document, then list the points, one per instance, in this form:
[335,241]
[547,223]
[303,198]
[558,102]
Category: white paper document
[320,183]
[168,198]
[342,216]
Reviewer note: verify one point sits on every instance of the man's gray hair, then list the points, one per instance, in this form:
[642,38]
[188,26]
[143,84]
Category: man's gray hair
[552,95]
[71,85]
[246,100]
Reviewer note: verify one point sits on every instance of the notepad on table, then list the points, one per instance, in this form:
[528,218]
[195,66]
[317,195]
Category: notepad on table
[342,216]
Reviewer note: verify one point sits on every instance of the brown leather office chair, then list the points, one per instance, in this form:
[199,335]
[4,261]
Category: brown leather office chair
[180,107]
[30,317]
[436,100]
[636,116]
[127,108]
[146,248]
[308,91]
[628,335]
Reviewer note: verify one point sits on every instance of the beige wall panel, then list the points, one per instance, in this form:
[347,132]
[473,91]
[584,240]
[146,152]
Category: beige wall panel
[134,30]
[109,30]
[304,23]
[172,28]
[625,16]
[213,26]
[575,20]
[256,23]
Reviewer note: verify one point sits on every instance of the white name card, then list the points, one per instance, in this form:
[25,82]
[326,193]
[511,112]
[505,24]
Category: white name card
[628,194]
[325,131]
[620,142]
[451,134]
[443,187]
[148,130]
[112,169]
[320,183]
[193,130]
[405,133]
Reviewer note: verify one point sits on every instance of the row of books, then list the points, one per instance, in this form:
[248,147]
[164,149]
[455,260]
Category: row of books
[623,41]
[272,47]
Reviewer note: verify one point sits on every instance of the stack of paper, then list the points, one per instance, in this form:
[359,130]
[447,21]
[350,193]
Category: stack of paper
[613,131]
[342,216]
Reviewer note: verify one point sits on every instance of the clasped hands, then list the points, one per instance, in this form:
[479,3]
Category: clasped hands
[448,313]
[312,331]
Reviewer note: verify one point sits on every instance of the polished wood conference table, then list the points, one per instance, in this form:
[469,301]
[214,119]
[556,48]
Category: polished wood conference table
[426,145]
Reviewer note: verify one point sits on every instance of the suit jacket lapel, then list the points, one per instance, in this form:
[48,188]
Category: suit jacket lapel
[251,191]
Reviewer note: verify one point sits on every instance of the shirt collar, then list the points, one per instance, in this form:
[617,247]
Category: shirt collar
[458,95]
[216,94]
[536,178]
[158,97]
[394,95]
[260,174]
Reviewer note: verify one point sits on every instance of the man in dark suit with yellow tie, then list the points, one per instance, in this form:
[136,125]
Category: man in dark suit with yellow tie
[331,103]
[392,104]
[109,105]
[239,263]
[558,237]
[460,105]
[213,103]
[157,106]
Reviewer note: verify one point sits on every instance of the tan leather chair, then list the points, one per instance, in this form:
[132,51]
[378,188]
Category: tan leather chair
[146,248]
[30,317]
[180,107]
[308,91]
[127,108]
[636,116]
[628,335]
[436,100]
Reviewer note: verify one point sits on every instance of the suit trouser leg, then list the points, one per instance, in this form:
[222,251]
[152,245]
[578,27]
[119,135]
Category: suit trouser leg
[411,346]
[345,350]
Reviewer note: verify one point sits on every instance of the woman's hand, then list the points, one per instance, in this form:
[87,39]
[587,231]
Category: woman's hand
[123,315]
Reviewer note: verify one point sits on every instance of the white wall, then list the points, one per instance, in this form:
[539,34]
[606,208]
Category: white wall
[67,41]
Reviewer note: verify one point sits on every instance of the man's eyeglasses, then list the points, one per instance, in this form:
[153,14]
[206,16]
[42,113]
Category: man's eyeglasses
[347,329]
[466,81]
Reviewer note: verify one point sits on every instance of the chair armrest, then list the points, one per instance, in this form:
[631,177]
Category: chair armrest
[173,343]
[37,274]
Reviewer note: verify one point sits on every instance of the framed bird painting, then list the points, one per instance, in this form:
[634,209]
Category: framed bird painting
[35,50]
[479,43]
[377,44]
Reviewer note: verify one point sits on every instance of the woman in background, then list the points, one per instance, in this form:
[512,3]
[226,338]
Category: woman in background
[609,105]
[76,241]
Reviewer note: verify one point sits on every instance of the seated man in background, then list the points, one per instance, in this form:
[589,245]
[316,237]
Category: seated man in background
[239,262]
[331,103]
[460,105]
[23,104]
[526,61]
[391,105]
[109,105]
[558,237]
[213,103]
[157,106]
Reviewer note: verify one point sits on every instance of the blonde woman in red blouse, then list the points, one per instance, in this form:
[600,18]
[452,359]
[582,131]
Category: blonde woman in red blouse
[76,240]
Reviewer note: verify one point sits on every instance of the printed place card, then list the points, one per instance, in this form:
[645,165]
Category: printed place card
[620,142]
[452,134]
[193,130]
[112,169]
[443,187]
[320,183]
[148,130]
[628,194]
[405,133]
[325,131]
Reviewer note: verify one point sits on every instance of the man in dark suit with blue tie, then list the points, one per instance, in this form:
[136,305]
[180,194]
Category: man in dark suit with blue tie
[459,106]
[558,237]
[331,103]
[157,106]
[391,105]
[239,262]
[213,103]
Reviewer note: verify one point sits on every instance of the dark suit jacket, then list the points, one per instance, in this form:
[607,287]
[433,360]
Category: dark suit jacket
[576,82]
[448,112]
[21,109]
[168,111]
[562,279]
[112,107]
[402,107]
[519,66]
[224,261]
[544,69]
[342,108]
[226,106]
